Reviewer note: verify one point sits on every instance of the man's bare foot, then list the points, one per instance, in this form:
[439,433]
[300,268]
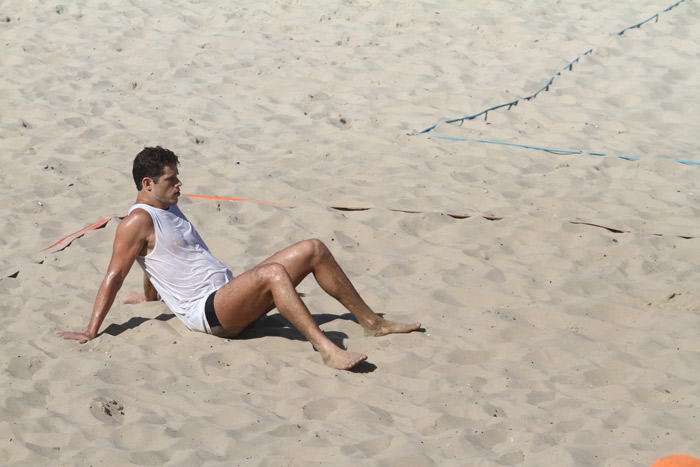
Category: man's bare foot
[384,327]
[342,359]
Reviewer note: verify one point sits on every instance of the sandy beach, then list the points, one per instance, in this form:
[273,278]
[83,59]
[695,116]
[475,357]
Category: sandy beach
[550,248]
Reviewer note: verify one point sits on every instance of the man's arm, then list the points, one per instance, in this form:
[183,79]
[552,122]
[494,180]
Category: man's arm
[131,238]
[149,291]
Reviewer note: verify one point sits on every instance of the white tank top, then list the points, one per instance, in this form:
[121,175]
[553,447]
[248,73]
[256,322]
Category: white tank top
[181,267]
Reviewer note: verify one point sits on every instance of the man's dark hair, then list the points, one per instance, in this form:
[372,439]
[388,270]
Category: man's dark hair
[151,163]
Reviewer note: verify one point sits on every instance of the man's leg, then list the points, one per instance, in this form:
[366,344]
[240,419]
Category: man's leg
[254,293]
[312,256]
[272,284]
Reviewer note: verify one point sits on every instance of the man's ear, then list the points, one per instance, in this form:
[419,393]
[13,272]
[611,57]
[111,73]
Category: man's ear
[147,183]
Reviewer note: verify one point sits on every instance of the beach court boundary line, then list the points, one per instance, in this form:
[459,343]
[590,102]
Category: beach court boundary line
[565,151]
[66,241]
[569,67]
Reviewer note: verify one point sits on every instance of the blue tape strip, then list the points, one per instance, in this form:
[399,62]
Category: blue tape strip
[561,151]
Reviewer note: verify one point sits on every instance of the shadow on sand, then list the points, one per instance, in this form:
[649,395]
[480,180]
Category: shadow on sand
[269,325]
[136,321]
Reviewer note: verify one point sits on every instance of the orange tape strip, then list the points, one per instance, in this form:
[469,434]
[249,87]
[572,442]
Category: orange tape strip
[222,198]
[68,239]
[410,211]
[614,230]
[340,208]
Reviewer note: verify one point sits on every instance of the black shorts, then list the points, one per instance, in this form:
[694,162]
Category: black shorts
[210,314]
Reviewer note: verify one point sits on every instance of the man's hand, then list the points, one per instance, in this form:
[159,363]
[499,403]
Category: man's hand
[76,336]
[134,298]
[138,298]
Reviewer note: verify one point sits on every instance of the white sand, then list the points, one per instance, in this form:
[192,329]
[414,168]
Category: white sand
[546,342]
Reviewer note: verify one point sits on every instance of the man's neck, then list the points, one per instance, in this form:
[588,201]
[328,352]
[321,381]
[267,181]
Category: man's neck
[151,202]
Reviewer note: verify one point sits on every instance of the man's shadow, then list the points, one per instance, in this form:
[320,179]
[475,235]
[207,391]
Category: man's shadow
[134,322]
[276,325]
[268,325]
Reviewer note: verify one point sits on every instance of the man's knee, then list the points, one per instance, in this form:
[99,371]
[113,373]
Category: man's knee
[316,248]
[273,272]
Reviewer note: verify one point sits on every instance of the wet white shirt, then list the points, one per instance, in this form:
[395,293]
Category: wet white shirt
[181,267]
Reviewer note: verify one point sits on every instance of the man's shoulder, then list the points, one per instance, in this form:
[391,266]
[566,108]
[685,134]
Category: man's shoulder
[138,214]
[139,207]
[138,221]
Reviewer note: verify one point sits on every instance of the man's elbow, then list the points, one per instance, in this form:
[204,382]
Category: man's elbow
[114,280]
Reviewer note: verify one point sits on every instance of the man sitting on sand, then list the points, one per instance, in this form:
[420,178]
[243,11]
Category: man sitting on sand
[201,291]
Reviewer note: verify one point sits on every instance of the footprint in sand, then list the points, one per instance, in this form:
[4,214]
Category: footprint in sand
[107,411]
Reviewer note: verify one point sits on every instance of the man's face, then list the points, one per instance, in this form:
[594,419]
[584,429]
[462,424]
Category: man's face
[167,189]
